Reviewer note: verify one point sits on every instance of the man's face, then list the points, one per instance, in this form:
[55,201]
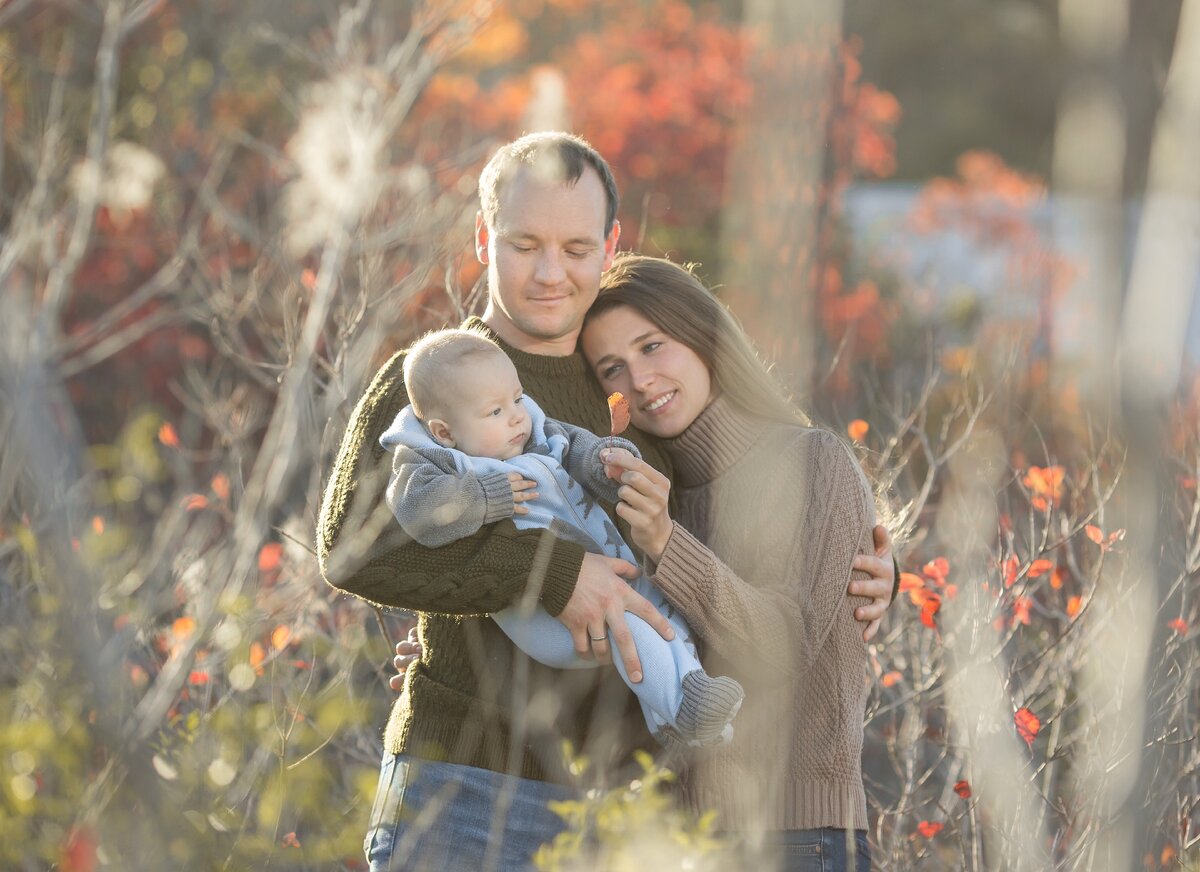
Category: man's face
[544,255]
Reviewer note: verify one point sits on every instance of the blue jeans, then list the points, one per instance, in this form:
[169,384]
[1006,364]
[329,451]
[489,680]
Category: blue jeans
[444,816]
[823,850]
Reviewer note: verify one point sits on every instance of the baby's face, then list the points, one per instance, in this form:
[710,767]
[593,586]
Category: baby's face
[489,417]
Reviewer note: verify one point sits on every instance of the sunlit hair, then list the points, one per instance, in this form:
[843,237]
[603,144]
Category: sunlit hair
[432,363]
[555,157]
[677,303]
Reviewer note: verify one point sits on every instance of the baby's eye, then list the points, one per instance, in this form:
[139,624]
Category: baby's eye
[521,399]
[495,411]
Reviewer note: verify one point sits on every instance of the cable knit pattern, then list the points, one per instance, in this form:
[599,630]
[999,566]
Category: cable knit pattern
[787,508]
[470,700]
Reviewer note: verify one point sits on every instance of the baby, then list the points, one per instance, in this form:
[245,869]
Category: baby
[470,449]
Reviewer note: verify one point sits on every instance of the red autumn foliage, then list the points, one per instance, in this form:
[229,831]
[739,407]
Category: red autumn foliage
[929,829]
[1028,725]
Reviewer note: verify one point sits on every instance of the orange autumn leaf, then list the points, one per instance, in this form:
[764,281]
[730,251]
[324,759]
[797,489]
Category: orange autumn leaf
[1074,604]
[618,412]
[197,677]
[308,278]
[167,435]
[890,678]
[963,788]
[195,502]
[97,524]
[1021,610]
[1094,533]
[183,627]
[930,609]
[1058,577]
[258,654]
[1040,567]
[268,557]
[1167,855]
[1179,625]
[1028,724]
[857,429]
[1010,571]
[290,841]
[280,637]
[220,486]
[1045,481]
[909,581]
[80,853]
[937,569]
[929,829]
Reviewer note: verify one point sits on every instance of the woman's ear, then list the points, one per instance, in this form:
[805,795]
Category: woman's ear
[440,431]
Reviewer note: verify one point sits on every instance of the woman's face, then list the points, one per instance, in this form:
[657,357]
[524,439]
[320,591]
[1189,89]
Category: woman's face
[666,383]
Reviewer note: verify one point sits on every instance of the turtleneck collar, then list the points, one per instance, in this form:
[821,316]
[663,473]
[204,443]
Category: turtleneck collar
[571,366]
[718,438]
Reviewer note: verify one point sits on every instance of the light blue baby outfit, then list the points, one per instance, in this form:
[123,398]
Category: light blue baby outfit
[440,495]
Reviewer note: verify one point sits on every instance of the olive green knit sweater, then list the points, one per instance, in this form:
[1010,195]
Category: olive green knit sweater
[473,698]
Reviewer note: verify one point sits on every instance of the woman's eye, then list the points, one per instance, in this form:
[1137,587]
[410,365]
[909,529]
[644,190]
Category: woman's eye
[610,372]
[650,346]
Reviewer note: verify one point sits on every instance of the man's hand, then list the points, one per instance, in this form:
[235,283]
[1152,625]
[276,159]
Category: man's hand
[597,607]
[408,652]
[878,587]
[522,491]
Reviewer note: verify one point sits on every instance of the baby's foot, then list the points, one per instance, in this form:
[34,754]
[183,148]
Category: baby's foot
[708,709]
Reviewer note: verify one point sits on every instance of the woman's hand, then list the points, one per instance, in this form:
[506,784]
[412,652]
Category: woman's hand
[643,499]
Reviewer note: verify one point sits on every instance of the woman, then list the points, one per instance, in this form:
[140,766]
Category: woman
[754,547]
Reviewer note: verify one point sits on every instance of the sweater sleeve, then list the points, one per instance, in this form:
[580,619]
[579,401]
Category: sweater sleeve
[363,551]
[436,507]
[582,460]
[773,628]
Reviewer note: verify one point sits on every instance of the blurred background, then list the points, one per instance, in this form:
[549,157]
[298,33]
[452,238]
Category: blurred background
[966,233]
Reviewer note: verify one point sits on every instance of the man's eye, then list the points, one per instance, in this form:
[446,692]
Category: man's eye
[577,254]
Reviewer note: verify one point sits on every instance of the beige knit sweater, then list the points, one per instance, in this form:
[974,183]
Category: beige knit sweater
[786,508]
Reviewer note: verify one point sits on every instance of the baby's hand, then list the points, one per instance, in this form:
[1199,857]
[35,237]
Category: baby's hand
[522,493]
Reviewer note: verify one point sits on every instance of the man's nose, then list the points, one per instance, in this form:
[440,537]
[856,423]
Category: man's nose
[549,269]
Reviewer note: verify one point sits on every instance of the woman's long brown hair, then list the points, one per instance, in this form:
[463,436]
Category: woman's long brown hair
[676,302]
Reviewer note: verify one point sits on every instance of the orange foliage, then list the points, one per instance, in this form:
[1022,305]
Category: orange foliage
[1028,724]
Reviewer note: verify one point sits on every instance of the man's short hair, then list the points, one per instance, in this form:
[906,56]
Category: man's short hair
[561,157]
[431,367]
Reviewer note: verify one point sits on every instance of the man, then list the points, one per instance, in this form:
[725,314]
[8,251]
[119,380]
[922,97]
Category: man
[474,744]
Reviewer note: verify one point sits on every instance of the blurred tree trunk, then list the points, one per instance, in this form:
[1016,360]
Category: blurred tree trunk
[770,220]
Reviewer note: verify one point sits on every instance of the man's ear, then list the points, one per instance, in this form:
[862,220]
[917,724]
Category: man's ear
[610,244]
[481,238]
[440,431]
